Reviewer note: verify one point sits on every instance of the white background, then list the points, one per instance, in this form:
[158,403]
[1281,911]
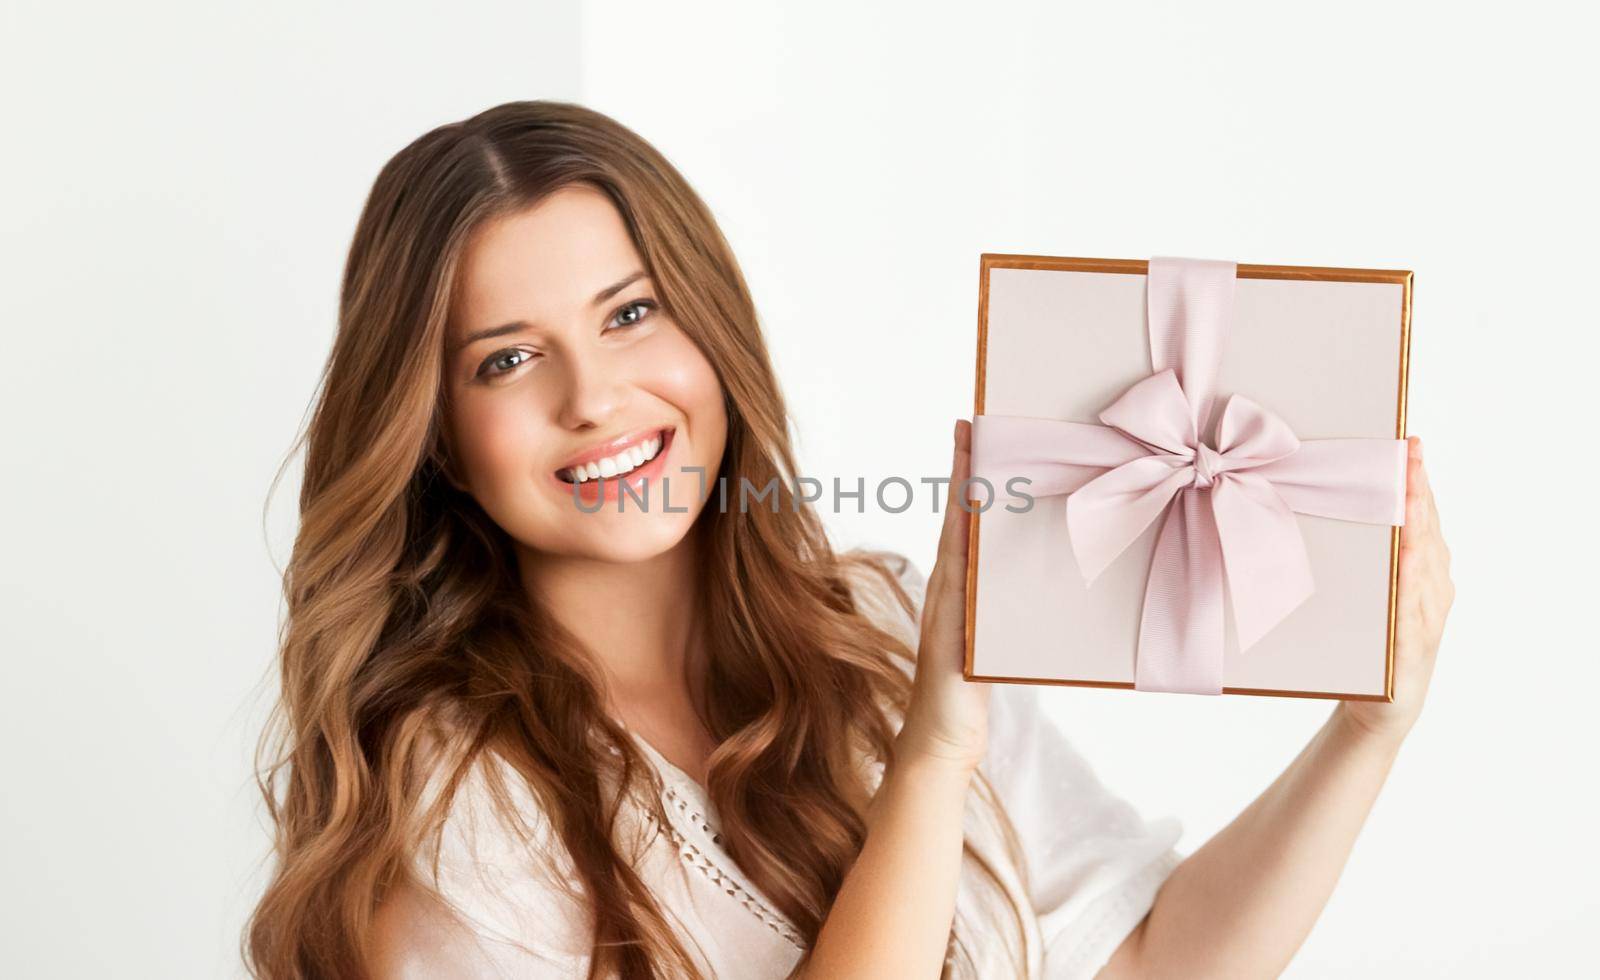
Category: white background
[180,185]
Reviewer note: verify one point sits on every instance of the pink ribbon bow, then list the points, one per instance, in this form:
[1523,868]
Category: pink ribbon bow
[1229,508]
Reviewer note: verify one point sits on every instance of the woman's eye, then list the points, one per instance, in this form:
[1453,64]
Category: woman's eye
[621,319]
[502,362]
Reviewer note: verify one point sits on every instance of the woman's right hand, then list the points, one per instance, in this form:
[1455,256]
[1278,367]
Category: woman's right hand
[947,722]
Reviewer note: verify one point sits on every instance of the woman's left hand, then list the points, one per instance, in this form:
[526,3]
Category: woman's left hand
[1426,594]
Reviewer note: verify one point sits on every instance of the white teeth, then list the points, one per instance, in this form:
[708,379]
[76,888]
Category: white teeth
[612,466]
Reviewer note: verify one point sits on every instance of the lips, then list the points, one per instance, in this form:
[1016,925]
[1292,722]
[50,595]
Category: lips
[615,457]
[640,480]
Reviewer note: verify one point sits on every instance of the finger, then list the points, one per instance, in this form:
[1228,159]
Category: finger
[1429,505]
[1430,518]
[947,584]
[1412,532]
[1421,517]
[1410,598]
[1415,531]
[952,535]
[1435,532]
[936,576]
[1426,591]
[962,471]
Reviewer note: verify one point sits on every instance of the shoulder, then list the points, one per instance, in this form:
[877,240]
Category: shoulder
[415,934]
[495,818]
[489,879]
[490,812]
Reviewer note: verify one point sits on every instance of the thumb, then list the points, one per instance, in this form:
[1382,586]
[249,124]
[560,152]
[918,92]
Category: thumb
[949,567]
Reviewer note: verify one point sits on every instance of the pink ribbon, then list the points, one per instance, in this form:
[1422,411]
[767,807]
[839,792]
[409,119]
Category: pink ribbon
[1229,508]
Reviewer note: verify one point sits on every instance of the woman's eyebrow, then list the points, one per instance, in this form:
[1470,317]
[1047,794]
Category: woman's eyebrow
[616,287]
[516,325]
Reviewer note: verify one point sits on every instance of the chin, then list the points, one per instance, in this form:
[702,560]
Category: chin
[632,539]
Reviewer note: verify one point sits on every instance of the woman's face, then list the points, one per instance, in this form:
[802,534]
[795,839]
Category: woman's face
[561,363]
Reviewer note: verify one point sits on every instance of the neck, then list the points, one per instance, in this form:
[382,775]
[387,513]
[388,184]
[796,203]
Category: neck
[638,619]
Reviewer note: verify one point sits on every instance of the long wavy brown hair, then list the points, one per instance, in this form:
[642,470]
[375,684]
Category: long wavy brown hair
[404,606]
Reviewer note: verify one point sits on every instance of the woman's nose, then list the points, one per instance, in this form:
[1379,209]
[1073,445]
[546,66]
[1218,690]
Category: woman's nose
[591,391]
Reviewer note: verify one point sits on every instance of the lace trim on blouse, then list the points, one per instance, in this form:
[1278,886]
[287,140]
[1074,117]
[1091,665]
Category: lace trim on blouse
[685,799]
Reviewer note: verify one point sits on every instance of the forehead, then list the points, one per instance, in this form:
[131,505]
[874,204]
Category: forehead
[545,261]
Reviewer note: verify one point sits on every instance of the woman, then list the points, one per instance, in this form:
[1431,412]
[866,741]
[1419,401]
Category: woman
[535,723]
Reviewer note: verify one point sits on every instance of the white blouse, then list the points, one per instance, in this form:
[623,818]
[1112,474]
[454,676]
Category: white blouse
[1093,865]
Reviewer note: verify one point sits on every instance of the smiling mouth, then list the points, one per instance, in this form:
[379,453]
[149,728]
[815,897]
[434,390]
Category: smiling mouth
[620,463]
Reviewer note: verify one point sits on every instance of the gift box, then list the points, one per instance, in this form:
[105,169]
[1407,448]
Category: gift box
[1188,476]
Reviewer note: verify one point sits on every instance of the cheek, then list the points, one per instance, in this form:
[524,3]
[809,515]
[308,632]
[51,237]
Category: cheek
[495,441]
[684,378]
